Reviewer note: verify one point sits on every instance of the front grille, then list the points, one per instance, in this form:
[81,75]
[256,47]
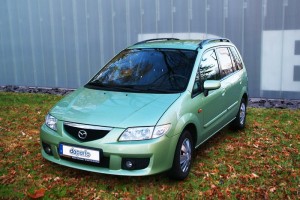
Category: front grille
[85,133]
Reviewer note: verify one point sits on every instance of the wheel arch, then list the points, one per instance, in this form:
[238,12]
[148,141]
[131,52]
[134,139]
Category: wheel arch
[245,96]
[193,130]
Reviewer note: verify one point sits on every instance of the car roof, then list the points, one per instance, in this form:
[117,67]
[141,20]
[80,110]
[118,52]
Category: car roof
[174,43]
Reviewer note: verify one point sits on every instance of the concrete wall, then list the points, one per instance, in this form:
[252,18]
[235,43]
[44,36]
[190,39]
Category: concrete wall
[62,43]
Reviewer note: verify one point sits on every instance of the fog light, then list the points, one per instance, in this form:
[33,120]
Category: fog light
[135,163]
[129,164]
[47,148]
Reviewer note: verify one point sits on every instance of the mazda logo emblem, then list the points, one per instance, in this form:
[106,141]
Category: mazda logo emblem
[82,134]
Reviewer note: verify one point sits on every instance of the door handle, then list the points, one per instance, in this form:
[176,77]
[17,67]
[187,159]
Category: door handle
[223,91]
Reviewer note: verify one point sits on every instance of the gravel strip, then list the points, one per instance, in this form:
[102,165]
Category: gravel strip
[253,102]
[42,90]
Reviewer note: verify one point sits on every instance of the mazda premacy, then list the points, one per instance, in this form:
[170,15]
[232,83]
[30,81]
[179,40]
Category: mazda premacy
[149,108]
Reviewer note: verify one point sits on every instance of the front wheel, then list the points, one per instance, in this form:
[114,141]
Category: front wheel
[182,157]
[240,120]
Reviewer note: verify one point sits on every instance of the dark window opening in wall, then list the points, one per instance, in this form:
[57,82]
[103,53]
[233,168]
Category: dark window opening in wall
[297,47]
[297,73]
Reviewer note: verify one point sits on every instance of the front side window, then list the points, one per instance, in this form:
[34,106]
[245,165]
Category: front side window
[225,61]
[208,70]
[146,70]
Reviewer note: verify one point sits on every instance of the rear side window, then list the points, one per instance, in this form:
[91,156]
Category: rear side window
[226,63]
[237,60]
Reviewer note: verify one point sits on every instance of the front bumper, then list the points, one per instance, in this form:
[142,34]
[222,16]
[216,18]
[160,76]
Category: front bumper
[159,152]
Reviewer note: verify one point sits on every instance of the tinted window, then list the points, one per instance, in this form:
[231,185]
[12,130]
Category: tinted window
[146,70]
[225,61]
[236,58]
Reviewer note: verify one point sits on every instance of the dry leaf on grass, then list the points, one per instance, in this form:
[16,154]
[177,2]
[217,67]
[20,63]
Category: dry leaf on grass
[37,194]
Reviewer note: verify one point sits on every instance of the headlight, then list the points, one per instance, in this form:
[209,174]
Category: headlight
[51,122]
[144,133]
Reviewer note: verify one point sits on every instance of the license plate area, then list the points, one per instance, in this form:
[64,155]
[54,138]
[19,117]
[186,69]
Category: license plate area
[80,153]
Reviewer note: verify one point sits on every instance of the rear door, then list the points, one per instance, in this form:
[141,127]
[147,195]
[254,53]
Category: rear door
[230,81]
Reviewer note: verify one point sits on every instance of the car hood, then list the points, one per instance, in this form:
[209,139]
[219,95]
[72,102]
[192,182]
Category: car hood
[112,109]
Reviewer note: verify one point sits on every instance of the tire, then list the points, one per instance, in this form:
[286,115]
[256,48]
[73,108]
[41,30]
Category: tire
[184,151]
[240,120]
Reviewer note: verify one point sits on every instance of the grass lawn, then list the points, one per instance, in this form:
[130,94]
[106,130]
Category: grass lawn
[261,162]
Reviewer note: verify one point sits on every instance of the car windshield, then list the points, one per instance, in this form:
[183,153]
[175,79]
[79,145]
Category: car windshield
[146,70]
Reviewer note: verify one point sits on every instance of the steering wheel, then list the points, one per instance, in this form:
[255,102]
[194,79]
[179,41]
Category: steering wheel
[178,75]
[175,78]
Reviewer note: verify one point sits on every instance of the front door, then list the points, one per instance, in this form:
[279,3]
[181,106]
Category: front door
[210,108]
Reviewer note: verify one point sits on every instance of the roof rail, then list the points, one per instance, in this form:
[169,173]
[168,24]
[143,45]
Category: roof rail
[207,41]
[155,39]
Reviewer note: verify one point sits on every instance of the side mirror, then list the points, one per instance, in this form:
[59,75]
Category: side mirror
[211,85]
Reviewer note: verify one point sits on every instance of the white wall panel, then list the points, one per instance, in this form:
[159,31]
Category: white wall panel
[63,43]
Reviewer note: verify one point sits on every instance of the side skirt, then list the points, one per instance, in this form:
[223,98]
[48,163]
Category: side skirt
[214,133]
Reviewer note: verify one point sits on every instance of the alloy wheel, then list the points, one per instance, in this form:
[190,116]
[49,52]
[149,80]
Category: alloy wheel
[185,155]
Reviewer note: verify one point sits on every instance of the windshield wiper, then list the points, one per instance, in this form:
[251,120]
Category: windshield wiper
[160,90]
[123,88]
[130,88]
[98,84]
[147,88]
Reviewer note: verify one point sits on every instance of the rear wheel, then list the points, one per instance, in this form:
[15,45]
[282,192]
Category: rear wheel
[240,120]
[182,157]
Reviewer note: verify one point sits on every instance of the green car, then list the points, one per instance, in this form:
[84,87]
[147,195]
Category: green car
[147,109]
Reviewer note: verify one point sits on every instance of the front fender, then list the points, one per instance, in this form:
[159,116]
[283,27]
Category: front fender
[185,120]
[182,123]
